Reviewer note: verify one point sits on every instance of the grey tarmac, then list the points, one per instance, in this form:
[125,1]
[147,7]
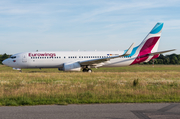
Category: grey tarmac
[94,111]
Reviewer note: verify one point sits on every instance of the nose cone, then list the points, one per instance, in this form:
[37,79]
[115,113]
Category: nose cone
[4,62]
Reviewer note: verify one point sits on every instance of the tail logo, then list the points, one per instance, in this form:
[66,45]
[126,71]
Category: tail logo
[148,44]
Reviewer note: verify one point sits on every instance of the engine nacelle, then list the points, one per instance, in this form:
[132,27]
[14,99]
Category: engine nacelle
[72,66]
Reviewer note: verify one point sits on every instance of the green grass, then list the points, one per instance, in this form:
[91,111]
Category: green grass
[160,83]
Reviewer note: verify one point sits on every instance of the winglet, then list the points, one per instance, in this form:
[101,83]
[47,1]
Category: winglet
[128,52]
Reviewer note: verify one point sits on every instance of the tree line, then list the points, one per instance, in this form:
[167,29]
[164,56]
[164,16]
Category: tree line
[3,57]
[167,59]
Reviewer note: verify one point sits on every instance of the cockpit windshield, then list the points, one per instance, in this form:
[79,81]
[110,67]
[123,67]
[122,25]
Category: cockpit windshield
[13,57]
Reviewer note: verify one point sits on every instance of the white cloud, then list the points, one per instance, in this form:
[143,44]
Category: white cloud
[83,22]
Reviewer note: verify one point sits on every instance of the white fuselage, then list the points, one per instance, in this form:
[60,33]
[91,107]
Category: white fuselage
[57,59]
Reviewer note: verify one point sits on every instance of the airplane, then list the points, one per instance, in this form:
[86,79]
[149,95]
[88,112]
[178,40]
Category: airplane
[85,60]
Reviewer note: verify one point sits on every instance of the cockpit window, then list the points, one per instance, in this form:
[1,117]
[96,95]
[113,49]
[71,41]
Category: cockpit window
[13,57]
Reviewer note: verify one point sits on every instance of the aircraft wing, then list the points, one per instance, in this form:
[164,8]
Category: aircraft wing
[100,60]
[155,53]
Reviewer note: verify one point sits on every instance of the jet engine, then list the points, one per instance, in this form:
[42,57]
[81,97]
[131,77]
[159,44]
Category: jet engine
[72,66]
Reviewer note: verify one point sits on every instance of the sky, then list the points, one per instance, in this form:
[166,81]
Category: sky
[86,25]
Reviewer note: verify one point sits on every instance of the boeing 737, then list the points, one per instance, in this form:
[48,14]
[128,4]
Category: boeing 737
[85,60]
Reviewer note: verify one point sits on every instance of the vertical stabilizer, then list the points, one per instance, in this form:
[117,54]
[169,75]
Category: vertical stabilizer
[149,44]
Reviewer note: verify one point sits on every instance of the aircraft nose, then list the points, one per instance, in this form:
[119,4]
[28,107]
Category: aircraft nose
[4,62]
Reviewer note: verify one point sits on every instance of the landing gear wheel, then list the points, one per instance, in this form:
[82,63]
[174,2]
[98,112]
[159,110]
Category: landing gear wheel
[84,70]
[89,70]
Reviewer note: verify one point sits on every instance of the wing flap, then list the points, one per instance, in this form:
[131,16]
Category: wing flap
[100,60]
[93,61]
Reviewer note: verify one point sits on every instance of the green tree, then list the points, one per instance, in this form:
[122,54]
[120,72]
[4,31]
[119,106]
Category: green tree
[160,61]
[174,60]
[167,60]
[3,57]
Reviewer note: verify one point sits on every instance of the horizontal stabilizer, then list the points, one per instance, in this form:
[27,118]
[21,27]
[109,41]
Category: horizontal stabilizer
[155,53]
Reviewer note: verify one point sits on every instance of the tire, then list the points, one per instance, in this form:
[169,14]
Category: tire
[84,70]
[89,70]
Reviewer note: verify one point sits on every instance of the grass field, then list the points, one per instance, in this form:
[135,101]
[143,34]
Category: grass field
[160,83]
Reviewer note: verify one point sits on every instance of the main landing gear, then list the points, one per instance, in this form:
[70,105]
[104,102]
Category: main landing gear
[87,70]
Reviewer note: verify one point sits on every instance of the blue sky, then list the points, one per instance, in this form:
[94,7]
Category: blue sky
[59,25]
